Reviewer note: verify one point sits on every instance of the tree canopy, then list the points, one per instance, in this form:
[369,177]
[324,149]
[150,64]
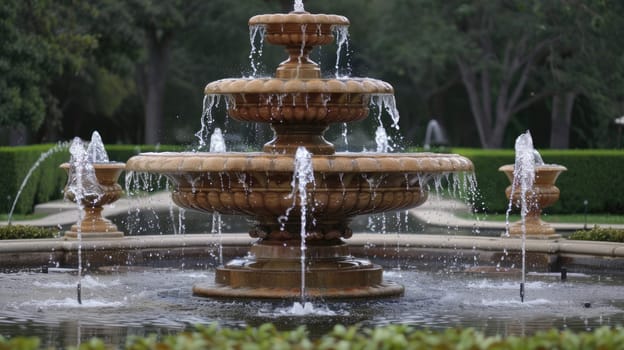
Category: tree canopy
[486,70]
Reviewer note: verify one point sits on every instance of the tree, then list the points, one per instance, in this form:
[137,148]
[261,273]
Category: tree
[586,62]
[506,41]
[41,40]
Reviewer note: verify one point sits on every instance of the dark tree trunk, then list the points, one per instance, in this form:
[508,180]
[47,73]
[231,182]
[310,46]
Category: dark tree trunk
[561,119]
[154,85]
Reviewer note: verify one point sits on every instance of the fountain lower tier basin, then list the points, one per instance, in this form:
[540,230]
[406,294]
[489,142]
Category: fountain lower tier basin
[330,273]
[260,185]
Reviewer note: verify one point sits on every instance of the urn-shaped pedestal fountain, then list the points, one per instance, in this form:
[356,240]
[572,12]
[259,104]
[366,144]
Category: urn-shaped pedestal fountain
[92,183]
[541,195]
[93,224]
[299,105]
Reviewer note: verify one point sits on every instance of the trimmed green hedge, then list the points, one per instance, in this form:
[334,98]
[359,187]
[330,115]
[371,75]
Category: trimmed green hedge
[599,234]
[26,232]
[389,337]
[16,163]
[593,175]
[47,180]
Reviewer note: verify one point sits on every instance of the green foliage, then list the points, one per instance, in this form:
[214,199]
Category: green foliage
[599,234]
[19,343]
[40,41]
[592,175]
[45,182]
[26,232]
[389,337]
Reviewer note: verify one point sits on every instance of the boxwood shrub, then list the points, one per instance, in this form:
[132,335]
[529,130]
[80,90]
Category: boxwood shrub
[24,231]
[389,337]
[592,175]
[599,234]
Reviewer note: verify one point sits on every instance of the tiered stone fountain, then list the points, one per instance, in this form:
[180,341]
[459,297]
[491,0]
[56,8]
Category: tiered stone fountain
[299,105]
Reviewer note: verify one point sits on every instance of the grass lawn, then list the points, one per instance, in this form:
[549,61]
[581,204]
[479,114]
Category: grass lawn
[592,219]
[19,217]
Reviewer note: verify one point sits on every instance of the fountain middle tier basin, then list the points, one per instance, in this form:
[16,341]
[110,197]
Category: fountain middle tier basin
[273,100]
[259,185]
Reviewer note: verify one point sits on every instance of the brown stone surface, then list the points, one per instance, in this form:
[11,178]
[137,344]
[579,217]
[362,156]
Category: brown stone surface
[93,224]
[543,194]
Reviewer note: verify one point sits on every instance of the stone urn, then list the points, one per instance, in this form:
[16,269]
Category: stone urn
[543,194]
[93,224]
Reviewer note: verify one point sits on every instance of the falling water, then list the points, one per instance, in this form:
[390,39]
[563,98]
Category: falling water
[301,49]
[342,40]
[59,147]
[386,102]
[298,6]
[303,175]
[256,51]
[345,133]
[83,184]
[217,145]
[382,140]
[524,176]
[217,142]
[210,102]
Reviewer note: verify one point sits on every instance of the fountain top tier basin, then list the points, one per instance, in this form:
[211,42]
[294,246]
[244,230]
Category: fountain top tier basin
[299,18]
[299,32]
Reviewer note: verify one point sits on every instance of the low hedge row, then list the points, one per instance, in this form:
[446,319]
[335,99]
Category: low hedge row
[593,175]
[47,180]
[599,234]
[380,338]
[26,232]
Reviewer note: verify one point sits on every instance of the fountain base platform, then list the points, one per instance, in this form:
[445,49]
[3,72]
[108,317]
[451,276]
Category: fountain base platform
[71,235]
[533,228]
[330,273]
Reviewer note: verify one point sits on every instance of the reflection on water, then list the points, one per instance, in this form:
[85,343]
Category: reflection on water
[140,301]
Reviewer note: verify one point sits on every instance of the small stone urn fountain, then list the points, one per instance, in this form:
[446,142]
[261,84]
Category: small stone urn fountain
[92,183]
[543,194]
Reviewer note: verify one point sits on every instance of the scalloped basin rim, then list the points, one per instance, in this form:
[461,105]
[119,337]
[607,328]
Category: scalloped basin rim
[299,18]
[543,167]
[342,162]
[298,86]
